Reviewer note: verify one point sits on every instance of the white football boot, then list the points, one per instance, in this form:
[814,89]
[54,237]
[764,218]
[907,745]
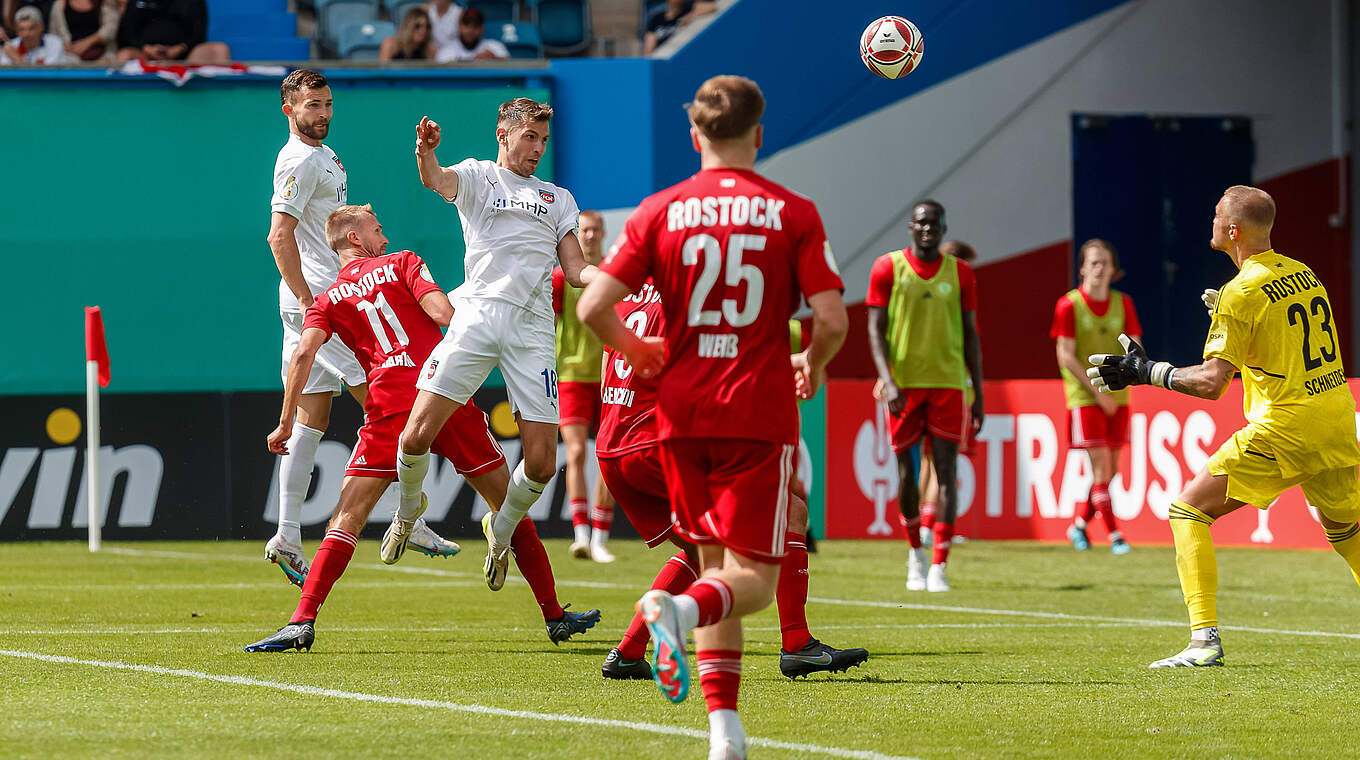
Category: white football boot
[916,569]
[424,540]
[394,540]
[935,580]
[289,557]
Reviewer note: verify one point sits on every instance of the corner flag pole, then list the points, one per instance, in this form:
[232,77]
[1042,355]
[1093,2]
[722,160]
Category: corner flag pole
[96,375]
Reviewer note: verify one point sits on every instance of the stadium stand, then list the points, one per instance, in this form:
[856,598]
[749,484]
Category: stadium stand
[334,15]
[396,9]
[360,42]
[496,11]
[258,30]
[564,25]
[522,40]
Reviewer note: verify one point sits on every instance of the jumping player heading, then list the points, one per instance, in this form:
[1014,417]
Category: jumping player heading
[516,227]
[731,255]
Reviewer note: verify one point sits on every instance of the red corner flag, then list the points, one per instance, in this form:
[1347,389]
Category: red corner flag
[96,350]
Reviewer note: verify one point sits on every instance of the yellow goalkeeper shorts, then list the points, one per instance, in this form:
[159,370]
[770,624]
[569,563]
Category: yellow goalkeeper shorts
[1254,478]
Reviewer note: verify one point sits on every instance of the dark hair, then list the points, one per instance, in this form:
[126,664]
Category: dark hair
[1097,243]
[959,250]
[931,203]
[299,80]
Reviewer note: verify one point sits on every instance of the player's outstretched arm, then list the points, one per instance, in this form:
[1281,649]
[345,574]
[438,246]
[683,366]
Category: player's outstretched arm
[878,348]
[299,368]
[830,323]
[596,310]
[574,267]
[283,244]
[1113,372]
[439,179]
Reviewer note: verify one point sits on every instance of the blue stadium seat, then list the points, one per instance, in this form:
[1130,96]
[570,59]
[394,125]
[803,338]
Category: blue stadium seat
[269,48]
[235,24]
[396,9]
[496,11]
[522,40]
[564,25]
[360,42]
[257,30]
[334,15]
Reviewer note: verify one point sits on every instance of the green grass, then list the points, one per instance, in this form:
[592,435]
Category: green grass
[950,677]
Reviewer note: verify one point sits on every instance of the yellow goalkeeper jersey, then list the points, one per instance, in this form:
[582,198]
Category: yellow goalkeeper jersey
[1274,323]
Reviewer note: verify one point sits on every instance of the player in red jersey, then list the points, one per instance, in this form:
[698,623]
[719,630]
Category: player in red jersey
[389,309]
[731,255]
[630,463]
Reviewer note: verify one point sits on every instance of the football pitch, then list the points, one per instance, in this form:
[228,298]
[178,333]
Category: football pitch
[1037,652]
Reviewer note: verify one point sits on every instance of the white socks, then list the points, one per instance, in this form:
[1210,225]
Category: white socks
[295,475]
[686,614]
[521,495]
[581,533]
[411,470]
[724,729]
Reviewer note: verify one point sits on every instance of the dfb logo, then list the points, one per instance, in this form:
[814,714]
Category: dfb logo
[876,468]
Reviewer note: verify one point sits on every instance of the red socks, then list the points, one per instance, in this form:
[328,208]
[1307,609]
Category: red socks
[944,532]
[911,527]
[928,515]
[720,677]
[714,599]
[601,517]
[532,560]
[791,594]
[580,512]
[330,562]
[1099,500]
[676,575]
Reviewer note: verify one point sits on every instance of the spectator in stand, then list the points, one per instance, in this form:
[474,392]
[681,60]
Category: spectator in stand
[9,7]
[664,22]
[471,45]
[87,28]
[444,15]
[168,30]
[412,42]
[31,46]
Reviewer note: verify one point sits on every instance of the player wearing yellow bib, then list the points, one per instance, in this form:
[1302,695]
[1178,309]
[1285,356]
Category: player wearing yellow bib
[924,343]
[579,354]
[1088,320]
[1273,323]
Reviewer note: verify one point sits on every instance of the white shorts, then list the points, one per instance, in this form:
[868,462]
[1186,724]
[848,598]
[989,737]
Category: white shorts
[484,334]
[335,365]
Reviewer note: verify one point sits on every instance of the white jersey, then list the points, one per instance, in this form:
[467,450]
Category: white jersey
[511,225]
[309,183]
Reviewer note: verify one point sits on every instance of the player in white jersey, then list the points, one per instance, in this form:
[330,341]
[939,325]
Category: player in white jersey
[517,228]
[310,183]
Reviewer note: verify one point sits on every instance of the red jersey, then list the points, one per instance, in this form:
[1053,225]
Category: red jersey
[1065,317]
[374,306]
[627,400]
[731,255]
[881,279]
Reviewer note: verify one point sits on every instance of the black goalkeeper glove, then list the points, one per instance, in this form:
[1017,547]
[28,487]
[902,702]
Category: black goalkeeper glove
[1115,372]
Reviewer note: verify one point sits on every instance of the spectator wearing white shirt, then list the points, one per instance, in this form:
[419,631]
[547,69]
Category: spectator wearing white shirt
[444,15]
[31,46]
[470,44]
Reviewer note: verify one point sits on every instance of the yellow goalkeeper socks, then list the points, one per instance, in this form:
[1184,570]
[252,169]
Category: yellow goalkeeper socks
[1195,563]
[1346,542]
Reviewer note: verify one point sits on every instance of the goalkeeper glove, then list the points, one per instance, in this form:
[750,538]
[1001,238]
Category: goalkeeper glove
[1115,372]
[1210,299]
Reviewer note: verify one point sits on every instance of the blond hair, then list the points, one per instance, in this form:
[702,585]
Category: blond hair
[1250,206]
[341,221]
[726,107]
[521,112]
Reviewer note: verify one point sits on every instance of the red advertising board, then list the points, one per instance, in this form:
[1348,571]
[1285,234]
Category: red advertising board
[1021,480]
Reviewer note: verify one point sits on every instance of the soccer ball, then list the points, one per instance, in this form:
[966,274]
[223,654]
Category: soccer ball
[891,47]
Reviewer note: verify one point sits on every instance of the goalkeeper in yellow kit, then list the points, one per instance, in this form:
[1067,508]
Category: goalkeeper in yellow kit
[1274,324]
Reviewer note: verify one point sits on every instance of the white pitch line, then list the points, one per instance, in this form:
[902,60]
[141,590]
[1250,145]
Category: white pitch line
[229,586]
[459,629]
[652,728]
[856,602]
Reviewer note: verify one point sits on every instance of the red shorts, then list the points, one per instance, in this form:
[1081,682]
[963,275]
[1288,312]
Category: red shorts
[578,404]
[465,440]
[637,483]
[942,412]
[1090,428]
[730,491]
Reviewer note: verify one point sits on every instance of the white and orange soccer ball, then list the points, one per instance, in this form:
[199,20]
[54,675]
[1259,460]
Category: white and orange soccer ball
[891,47]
